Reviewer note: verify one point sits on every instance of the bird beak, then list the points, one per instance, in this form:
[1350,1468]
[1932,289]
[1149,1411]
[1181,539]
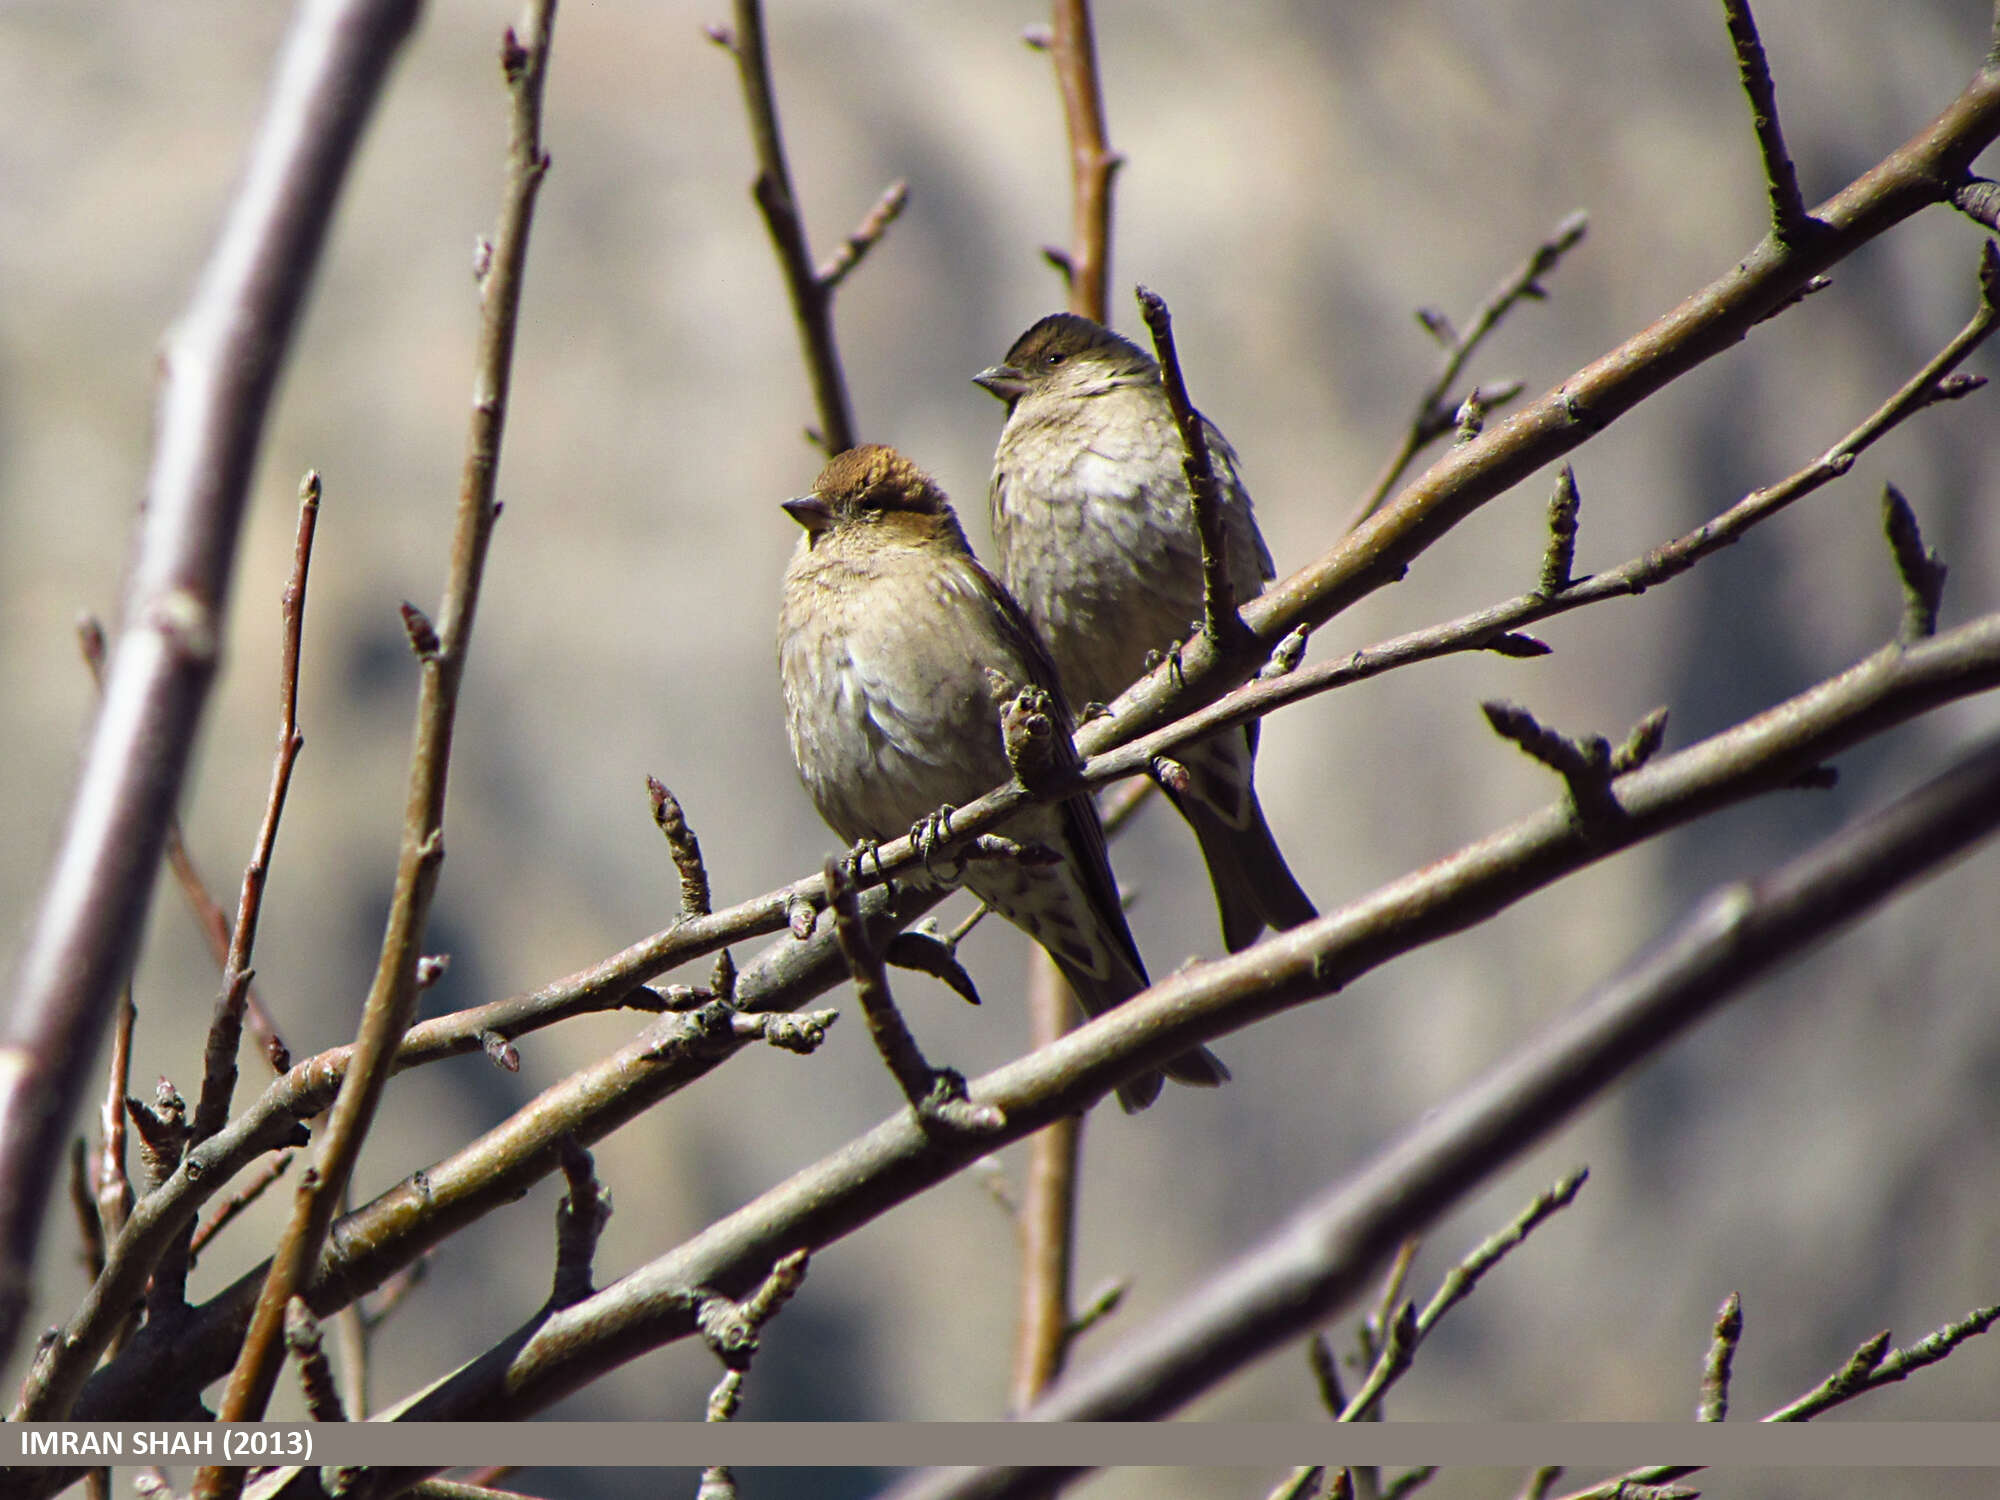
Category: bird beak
[811,512]
[1004,381]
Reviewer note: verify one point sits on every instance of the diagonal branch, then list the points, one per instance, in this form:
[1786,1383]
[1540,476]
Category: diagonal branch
[1326,1254]
[1920,173]
[899,1159]
[392,995]
[222,364]
[1433,416]
[811,291]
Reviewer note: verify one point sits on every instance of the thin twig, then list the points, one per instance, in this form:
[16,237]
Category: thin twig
[866,236]
[222,363]
[392,995]
[1435,410]
[114,1187]
[306,1343]
[811,291]
[1875,1365]
[935,1095]
[1045,1223]
[1220,622]
[1714,1403]
[254,1185]
[1396,1355]
[83,1204]
[1769,750]
[225,1031]
[1788,210]
[1093,165]
[1376,554]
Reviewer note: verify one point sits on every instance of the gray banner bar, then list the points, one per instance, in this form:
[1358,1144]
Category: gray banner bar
[1094,1444]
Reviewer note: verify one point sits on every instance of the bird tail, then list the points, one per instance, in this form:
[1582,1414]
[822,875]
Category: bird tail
[1198,1067]
[1254,887]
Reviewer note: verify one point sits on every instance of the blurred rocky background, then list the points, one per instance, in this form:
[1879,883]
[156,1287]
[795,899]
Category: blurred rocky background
[1299,178]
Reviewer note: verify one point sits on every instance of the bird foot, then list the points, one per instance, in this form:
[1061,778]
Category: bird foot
[928,833]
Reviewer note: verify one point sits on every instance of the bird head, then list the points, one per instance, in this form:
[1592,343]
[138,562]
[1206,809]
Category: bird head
[1069,355]
[876,488]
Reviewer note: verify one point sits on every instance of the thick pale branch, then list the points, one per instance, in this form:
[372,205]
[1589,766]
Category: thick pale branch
[222,364]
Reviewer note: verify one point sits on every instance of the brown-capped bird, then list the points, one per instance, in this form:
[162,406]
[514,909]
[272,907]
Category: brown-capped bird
[1096,536]
[897,650]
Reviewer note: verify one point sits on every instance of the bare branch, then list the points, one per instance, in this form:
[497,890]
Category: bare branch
[1875,1365]
[1045,1223]
[1072,45]
[1300,1484]
[811,291]
[208,915]
[304,1341]
[1378,552]
[580,1219]
[253,1186]
[1714,1405]
[1789,222]
[1734,940]
[225,1031]
[937,1096]
[866,236]
[1220,622]
[1434,415]
[222,365]
[1325,1254]
[1411,1329]
[1920,568]
[392,995]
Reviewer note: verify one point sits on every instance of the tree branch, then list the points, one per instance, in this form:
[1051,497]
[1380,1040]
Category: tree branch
[811,291]
[225,1032]
[1093,165]
[1326,1254]
[898,1159]
[392,995]
[1433,416]
[222,364]
[1789,222]
[1917,175]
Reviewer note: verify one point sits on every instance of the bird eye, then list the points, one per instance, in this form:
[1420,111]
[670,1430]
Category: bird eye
[1053,358]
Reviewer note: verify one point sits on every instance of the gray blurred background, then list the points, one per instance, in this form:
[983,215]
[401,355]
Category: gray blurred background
[1299,178]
